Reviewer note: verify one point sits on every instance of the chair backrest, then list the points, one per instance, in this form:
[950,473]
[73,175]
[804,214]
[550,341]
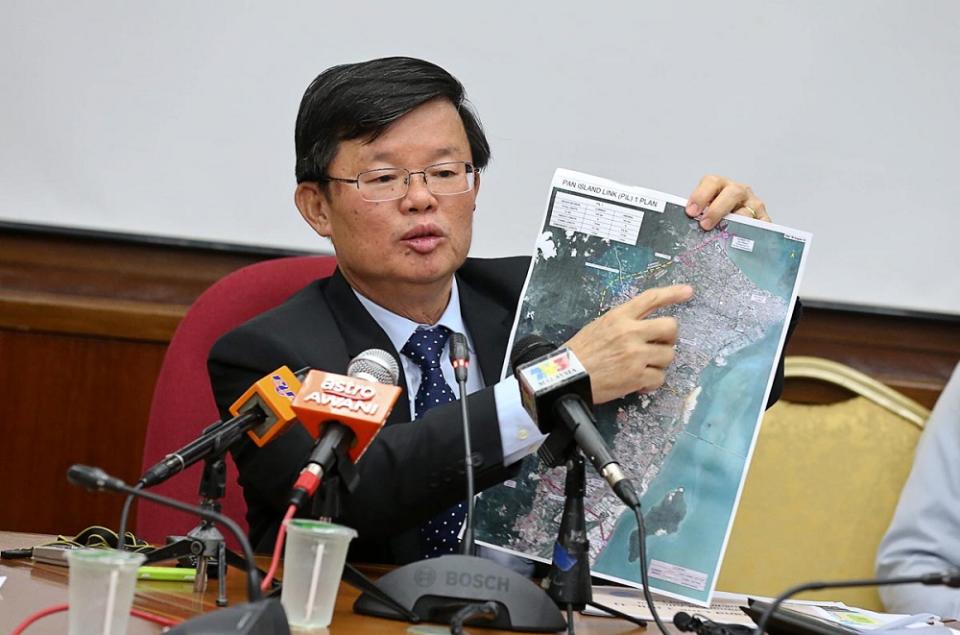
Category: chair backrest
[183,401]
[822,487]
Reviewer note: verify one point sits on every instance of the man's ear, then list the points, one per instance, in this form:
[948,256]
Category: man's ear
[314,206]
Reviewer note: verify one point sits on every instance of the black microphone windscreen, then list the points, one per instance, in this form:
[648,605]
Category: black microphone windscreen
[459,350]
[92,478]
[529,348]
[684,621]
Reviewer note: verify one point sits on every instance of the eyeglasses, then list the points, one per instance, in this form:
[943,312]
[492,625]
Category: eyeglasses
[389,184]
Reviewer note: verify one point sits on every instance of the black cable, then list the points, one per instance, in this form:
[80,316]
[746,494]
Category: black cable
[644,580]
[125,516]
[614,612]
[949,579]
[95,479]
[486,610]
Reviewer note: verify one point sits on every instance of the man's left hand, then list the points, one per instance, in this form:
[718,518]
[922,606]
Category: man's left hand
[717,196]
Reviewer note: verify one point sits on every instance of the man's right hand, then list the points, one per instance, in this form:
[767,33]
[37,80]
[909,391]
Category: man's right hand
[623,351]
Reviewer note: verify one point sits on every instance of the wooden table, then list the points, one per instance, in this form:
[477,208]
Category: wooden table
[31,587]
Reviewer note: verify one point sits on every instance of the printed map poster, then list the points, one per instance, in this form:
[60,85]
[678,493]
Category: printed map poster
[687,445]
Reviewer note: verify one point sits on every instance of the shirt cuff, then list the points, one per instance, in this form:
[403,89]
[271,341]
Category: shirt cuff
[519,435]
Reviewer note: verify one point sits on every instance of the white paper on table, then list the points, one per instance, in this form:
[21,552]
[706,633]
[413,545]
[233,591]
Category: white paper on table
[864,620]
[725,607]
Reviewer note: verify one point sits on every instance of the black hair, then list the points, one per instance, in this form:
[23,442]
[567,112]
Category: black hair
[361,100]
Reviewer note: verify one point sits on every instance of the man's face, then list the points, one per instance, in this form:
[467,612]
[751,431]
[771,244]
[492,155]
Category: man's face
[420,239]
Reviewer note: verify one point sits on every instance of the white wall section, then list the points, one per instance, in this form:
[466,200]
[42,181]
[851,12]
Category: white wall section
[176,118]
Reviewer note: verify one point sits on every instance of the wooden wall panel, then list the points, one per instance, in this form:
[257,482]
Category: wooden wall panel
[85,319]
[84,323]
[68,400]
[914,354]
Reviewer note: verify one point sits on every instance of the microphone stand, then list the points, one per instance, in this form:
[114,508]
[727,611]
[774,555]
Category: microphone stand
[207,545]
[204,543]
[460,359]
[568,582]
[440,589]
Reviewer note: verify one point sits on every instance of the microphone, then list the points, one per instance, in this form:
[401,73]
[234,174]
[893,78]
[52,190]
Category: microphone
[270,398]
[258,616]
[693,624]
[263,412]
[376,365]
[459,357]
[559,445]
[436,587]
[460,360]
[555,386]
[344,414]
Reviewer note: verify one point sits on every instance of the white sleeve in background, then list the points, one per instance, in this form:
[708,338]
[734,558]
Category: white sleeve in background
[924,536]
[519,435]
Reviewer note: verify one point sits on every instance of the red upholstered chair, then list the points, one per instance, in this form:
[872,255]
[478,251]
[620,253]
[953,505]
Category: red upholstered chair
[183,401]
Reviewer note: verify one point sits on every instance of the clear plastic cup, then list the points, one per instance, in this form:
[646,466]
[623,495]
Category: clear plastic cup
[312,565]
[101,590]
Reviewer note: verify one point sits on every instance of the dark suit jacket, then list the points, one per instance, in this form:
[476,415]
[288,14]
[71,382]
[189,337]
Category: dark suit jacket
[409,473]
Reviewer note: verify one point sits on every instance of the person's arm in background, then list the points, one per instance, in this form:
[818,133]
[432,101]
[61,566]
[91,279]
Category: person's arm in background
[924,536]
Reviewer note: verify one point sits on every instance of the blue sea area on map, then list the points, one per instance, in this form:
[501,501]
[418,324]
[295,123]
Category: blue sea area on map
[722,420]
[773,264]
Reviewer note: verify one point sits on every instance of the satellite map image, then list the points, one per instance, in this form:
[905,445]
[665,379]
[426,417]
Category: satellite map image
[686,445]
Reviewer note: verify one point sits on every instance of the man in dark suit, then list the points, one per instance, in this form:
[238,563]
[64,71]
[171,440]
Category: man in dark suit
[388,162]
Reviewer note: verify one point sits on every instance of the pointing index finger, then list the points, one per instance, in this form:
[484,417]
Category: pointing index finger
[653,299]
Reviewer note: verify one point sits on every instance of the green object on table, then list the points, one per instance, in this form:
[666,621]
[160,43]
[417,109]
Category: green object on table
[169,574]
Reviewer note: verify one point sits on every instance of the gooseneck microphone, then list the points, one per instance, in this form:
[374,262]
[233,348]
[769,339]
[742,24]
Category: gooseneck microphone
[555,387]
[259,616]
[434,589]
[97,480]
[460,360]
